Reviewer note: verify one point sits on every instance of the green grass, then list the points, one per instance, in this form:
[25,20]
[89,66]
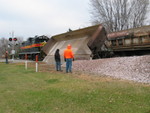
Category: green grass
[25,91]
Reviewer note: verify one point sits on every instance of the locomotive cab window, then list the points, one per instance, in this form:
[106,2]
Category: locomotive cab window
[39,40]
[120,42]
[42,40]
[113,42]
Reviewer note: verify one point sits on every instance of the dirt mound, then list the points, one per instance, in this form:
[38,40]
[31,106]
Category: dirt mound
[136,68]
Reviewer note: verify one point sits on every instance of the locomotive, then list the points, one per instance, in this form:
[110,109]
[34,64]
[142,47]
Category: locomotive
[32,47]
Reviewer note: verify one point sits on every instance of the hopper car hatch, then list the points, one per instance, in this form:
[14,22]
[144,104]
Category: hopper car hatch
[97,43]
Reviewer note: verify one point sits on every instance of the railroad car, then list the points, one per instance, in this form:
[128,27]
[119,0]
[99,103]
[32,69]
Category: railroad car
[32,47]
[130,42]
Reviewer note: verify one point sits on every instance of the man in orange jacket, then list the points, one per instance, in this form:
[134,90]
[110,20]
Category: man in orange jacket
[68,57]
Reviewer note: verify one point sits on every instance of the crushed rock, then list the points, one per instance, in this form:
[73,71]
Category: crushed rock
[135,68]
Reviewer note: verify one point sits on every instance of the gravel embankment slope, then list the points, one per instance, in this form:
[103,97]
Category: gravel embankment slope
[136,68]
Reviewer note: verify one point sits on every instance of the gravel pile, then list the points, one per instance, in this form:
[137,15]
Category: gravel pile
[136,68]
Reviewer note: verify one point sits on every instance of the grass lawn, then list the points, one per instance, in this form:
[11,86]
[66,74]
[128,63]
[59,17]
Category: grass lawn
[25,91]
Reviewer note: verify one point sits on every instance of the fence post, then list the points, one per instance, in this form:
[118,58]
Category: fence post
[36,64]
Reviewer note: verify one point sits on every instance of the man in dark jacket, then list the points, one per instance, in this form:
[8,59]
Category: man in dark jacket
[58,60]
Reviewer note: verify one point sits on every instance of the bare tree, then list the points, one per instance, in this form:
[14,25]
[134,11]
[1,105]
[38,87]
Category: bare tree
[3,46]
[118,15]
[6,45]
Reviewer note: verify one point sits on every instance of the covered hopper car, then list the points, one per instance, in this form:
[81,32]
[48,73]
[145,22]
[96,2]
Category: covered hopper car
[32,47]
[84,42]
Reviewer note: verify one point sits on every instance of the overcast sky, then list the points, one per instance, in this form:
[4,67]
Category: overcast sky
[28,18]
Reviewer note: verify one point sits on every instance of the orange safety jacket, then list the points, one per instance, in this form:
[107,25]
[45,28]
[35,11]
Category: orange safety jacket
[68,53]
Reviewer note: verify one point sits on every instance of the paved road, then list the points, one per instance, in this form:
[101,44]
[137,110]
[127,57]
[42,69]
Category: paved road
[14,61]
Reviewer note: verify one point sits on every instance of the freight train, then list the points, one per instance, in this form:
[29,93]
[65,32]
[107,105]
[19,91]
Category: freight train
[32,47]
[91,42]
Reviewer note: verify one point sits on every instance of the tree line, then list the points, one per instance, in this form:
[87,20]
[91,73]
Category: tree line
[117,15]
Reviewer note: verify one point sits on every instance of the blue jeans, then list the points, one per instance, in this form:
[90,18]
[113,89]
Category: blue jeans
[58,66]
[68,65]
[6,60]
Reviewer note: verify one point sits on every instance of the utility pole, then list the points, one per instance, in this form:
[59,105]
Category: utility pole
[13,46]
[13,40]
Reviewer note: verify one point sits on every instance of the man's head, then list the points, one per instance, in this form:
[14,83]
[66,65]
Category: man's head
[57,50]
[69,46]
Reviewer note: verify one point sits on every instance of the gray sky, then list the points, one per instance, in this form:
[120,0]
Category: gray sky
[28,18]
